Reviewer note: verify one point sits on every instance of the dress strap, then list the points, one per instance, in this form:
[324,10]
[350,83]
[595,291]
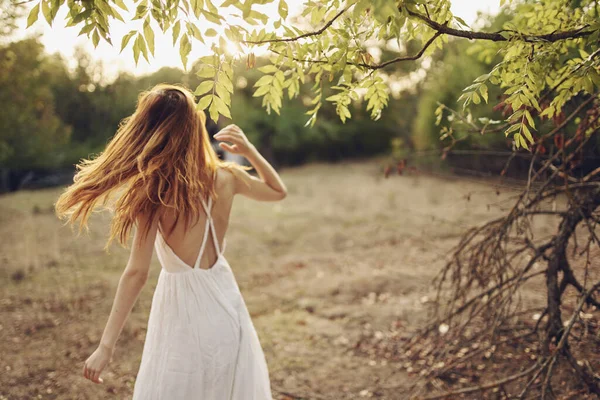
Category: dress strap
[205,236]
[209,219]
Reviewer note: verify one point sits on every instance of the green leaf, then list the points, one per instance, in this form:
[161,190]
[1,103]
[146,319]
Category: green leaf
[176,30]
[527,133]
[360,7]
[222,108]
[204,87]
[195,32]
[126,39]
[588,84]
[33,15]
[143,47]
[258,15]
[282,9]
[548,112]
[228,71]
[47,11]
[86,29]
[223,93]
[384,11]
[95,38]
[516,103]
[206,71]
[136,50]
[512,128]
[523,142]
[268,69]
[225,81]
[209,60]
[204,102]
[261,91]
[121,4]
[529,118]
[149,35]
[233,34]
[482,78]
[211,7]
[140,11]
[517,139]
[116,14]
[484,92]
[461,21]
[102,21]
[213,110]
[103,7]
[184,49]
[535,104]
[264,80]
[212,17]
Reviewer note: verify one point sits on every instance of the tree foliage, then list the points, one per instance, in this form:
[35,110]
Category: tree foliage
[31,133]
[545,47]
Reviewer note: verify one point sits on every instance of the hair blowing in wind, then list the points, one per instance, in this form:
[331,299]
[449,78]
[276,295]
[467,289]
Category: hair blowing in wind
[160,156]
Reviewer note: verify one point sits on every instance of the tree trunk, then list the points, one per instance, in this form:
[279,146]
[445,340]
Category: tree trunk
[580,209]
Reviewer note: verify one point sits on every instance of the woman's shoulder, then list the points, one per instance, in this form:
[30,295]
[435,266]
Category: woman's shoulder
[230,170]
[226,176]
[230,175]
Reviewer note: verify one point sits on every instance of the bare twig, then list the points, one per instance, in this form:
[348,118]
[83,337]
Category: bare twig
[296,38]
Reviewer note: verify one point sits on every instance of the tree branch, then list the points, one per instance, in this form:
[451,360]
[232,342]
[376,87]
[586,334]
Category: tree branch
[563,342]
[571,116]
[444,29]
[497,36]
[406,58]
[570,278]
[370,66]
[295,38]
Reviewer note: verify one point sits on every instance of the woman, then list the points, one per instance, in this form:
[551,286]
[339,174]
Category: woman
[200,342]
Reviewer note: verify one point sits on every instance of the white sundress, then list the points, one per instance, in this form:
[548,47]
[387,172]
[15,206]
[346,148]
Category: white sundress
[200,343]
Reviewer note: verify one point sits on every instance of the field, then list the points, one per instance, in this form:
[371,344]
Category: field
[348,252]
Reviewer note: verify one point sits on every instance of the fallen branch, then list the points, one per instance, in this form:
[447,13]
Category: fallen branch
[481,388]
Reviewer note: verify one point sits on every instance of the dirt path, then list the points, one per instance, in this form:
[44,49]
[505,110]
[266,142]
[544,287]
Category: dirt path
[347,252]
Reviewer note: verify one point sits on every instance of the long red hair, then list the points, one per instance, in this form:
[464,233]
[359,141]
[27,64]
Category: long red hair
[161,155]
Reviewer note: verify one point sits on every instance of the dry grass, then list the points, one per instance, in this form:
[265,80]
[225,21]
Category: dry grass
[347,251]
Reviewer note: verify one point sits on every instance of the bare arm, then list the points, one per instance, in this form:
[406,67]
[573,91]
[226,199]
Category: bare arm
[269,186]
[132,281]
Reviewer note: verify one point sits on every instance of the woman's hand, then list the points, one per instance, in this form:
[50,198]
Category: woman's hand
[269,186]
[96,363]
[234,134]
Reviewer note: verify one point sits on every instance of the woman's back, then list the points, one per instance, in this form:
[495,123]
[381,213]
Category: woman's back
[184,241]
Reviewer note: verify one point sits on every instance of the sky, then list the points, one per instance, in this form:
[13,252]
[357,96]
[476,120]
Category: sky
[64,40]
